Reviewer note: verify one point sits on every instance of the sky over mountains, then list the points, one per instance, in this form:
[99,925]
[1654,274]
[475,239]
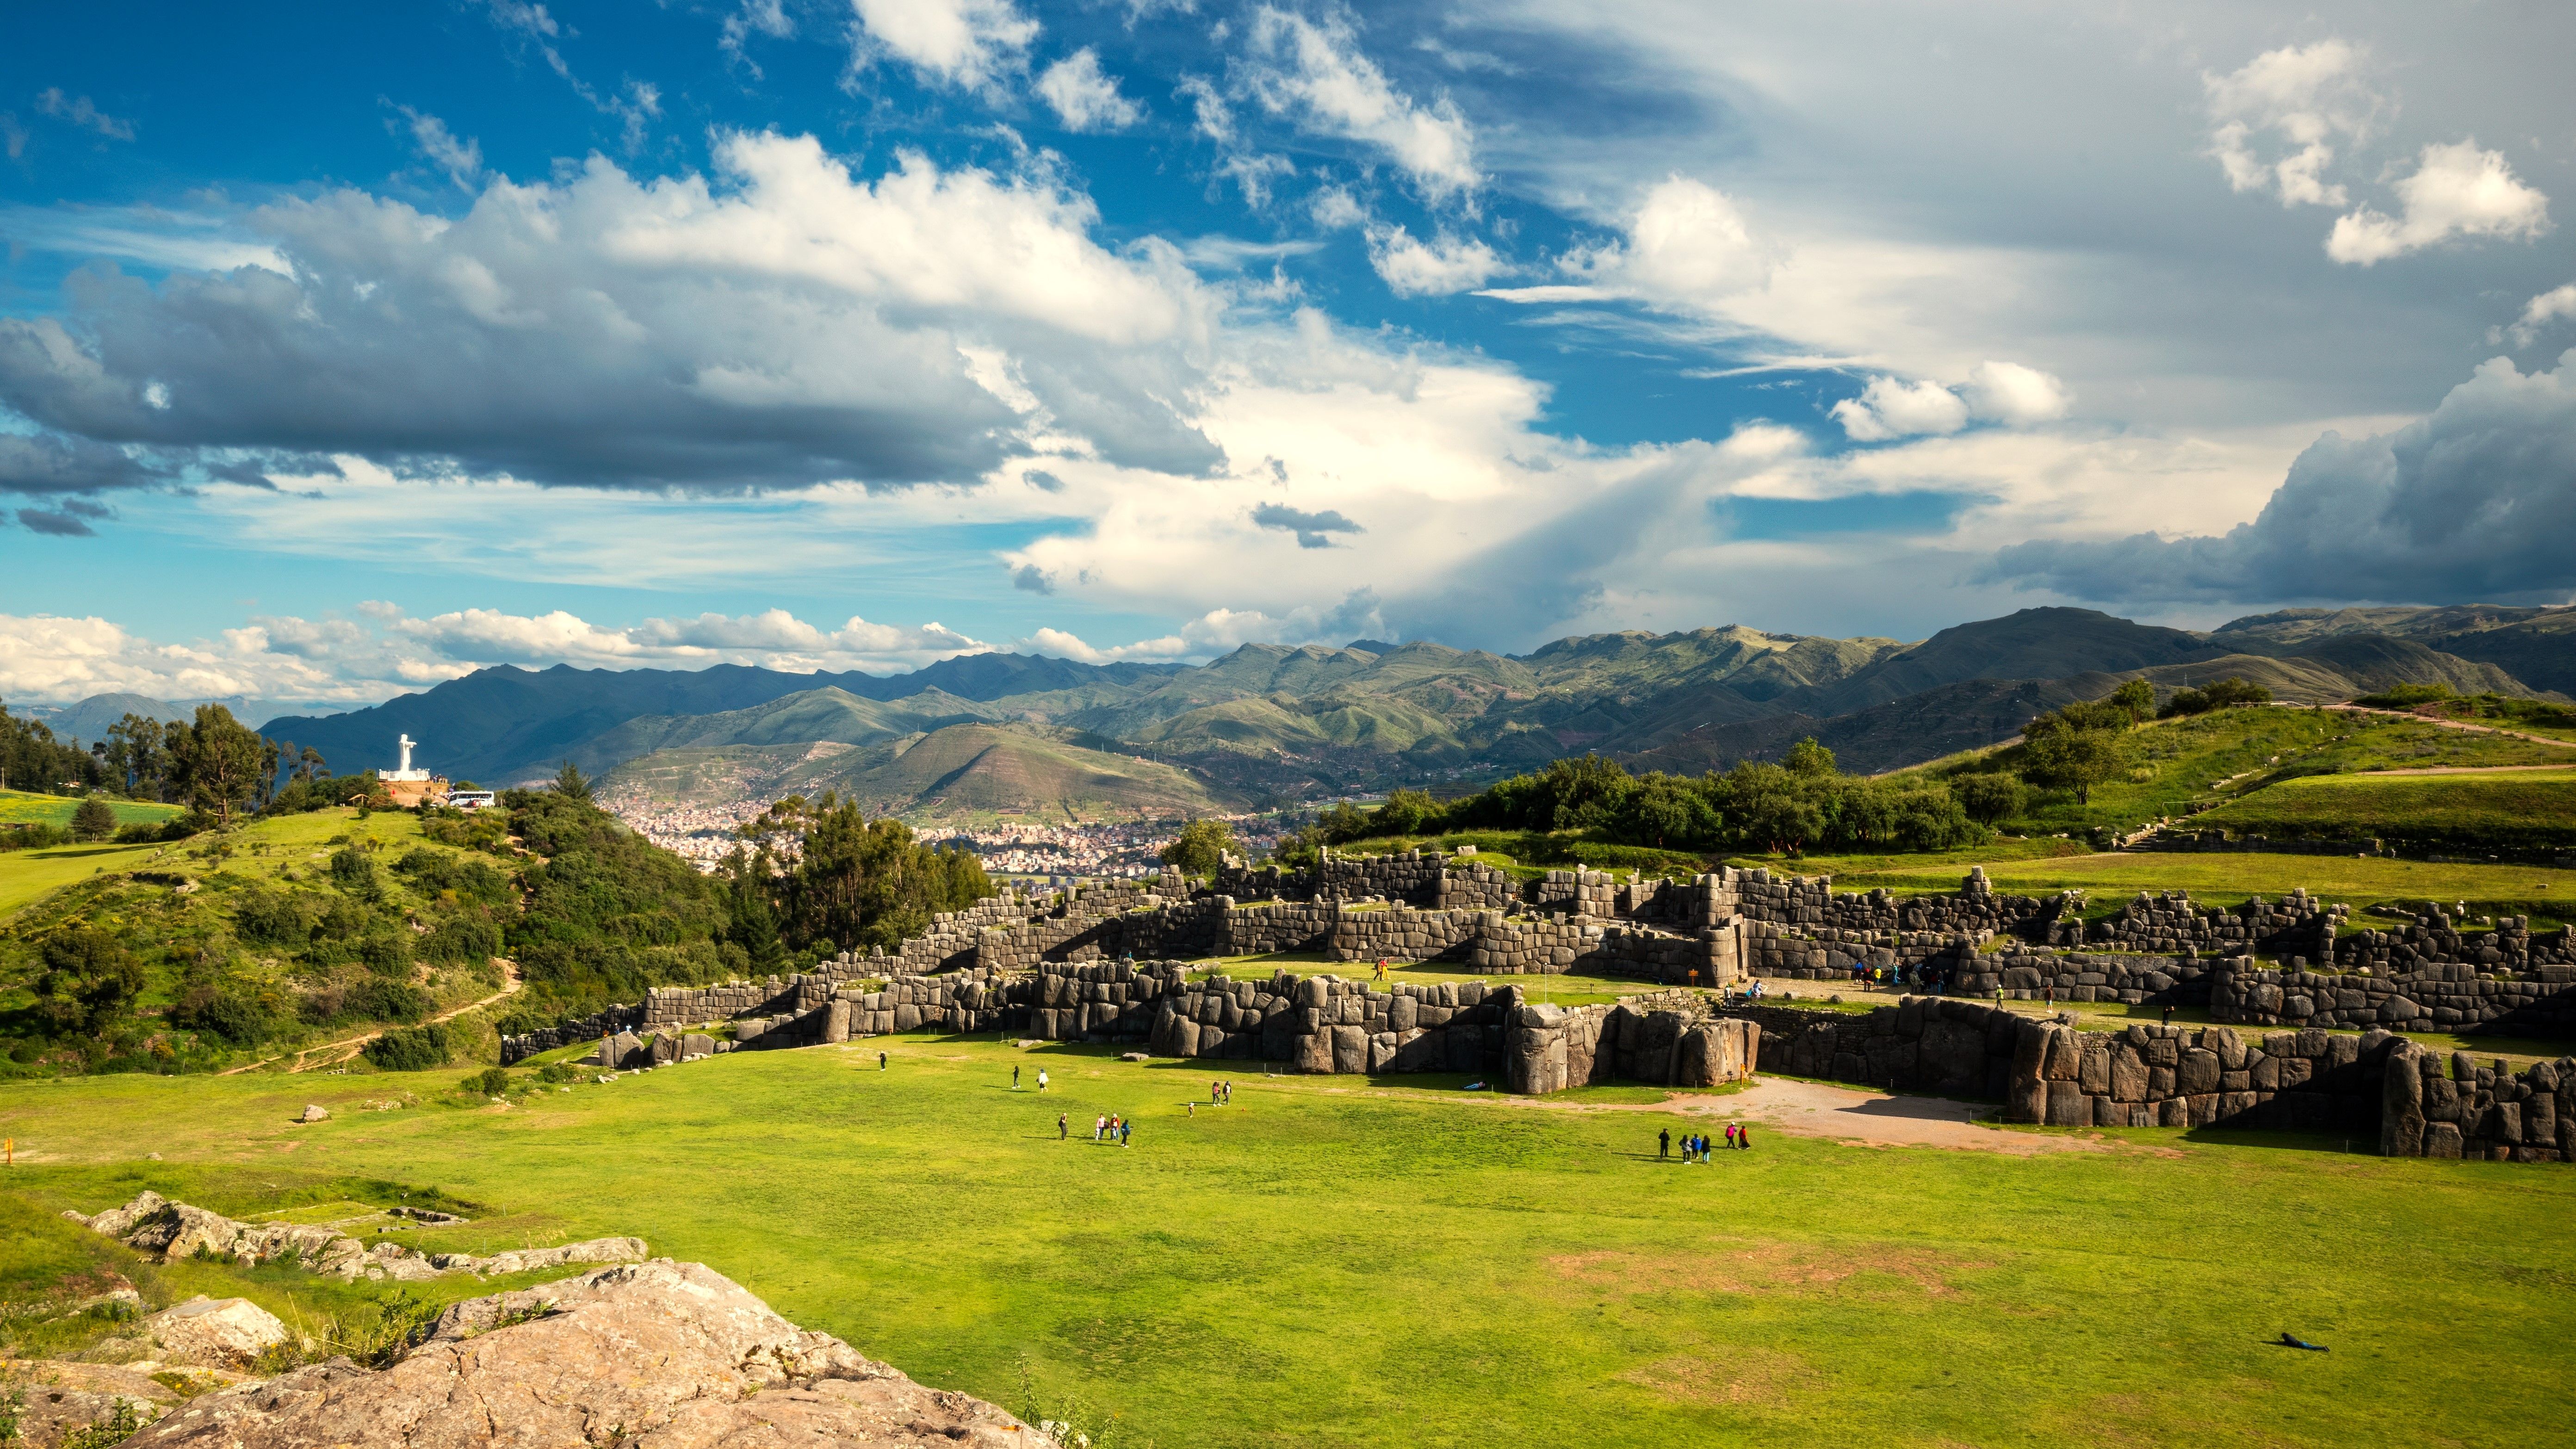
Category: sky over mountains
[342,352]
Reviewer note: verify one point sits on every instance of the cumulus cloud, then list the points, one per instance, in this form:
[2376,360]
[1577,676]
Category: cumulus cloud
[2539,312]
[1316,74]
[345,662]
[79,111]
[2301,98]
[1894,408]
[2457,190]
[957,42]
[2007,392]
[1084,98]
[783,324]
[1219,631]
[1444,264]
[2471,504]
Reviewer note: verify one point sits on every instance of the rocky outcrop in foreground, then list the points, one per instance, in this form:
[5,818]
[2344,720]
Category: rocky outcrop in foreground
[154,1224]
[656,1355]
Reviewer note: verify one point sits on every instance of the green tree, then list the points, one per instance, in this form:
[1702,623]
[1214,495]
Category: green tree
[858,882]
[1406,812]
[571,784]
[2072,751]
[1202,846]
[1990,796]
[89,981]
[217,760]
[2137,699]
[1771,807]
[93,820]
[752,916]
[1809,760]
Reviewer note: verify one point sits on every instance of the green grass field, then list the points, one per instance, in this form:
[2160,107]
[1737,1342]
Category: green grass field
[26,875]
[2542,892]
[2531,808]
[19,807]
[1327,1263]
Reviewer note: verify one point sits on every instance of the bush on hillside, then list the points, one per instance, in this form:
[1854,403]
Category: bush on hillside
[90,980]
[411,1049]
[39,835]
[2225,694]
[237,1018]
[94,820]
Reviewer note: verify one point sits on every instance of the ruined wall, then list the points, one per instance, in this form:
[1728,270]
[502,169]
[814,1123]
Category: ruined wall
[2161,1076]
[2455,996]
[1426,879]
[1933,1044]
[2429,1107]
[1551,1048]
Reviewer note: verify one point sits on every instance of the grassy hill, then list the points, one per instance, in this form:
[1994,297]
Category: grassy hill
[20,807]
[282,933]
[2493,810]
[957,774]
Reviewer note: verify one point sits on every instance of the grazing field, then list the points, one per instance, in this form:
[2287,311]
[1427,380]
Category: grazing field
[28,874]
[2525,809]
[1328,1262]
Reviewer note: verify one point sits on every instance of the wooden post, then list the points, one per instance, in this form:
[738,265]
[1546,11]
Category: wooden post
[11,1145]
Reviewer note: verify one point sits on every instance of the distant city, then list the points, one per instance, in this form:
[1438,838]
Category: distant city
[704,834]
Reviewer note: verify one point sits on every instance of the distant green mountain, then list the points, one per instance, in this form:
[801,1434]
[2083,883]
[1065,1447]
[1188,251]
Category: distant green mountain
[2534,645]
[91,719]
[952,775]
[831,715]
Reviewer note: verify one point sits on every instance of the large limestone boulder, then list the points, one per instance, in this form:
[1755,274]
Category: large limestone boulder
[657,1355]
[59,1400]
[217,1332]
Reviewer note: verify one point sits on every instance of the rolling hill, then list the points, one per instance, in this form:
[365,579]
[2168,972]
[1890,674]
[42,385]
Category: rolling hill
[951,775]
[1271,720]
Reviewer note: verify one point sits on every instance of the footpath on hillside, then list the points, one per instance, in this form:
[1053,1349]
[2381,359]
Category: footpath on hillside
[354,1044]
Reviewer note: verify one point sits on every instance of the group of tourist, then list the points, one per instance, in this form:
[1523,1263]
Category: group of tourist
[1896,978]
[1108,1127]
[1696,1146]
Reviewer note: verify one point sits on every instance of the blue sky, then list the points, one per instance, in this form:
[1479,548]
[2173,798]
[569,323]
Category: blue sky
[351,348]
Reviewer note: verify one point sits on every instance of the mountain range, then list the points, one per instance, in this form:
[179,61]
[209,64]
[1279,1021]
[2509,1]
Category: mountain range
[1271,722]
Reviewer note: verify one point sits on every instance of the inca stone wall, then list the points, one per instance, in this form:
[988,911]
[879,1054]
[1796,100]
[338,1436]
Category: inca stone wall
[2160,1076]
[2455,996]
[2430,1107]
[1418,878]
[1550,1048]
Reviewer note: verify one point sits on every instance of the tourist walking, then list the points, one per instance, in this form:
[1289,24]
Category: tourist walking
[1124,1127]
[881,1061]
[1099,1127]
[1041,1079]
[1062,1130]
[1015,1078]
[1744,1139]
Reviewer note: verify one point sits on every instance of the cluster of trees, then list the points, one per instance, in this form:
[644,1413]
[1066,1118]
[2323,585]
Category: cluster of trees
[32,759]
[820,876]
[2087,743]
[213,762]
[1801,803]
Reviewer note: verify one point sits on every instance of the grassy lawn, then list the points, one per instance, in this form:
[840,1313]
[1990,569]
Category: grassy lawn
[20,807]
[2225,879]
[2531,808]
[28,874]
[1330,1263]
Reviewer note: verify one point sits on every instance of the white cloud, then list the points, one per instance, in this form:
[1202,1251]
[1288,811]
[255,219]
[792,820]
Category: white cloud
[960,42]
[462,160]
[2538,313]
[1084,98]
[1221,631]
[2304,96]
[1686,246]
[2007,392]
[1444,264]
[1335,209]
[1317,73]
[774,637]
[2457,190]
[1894,408]
[79,111]
[779,324]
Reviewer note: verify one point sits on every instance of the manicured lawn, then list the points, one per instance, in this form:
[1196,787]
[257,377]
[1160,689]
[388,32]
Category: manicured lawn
[1323,1263]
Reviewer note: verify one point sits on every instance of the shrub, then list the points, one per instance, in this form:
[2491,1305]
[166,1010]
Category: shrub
[39,835]
[269,918]
[1991,796]
[353,871]
[236,1018]
[93,820]
[489,1082]
[387,953]
[411,1049]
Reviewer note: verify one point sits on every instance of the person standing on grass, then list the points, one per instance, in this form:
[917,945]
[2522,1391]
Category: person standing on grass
[1099,1126]
[1744,1138]
[1062,1130]
[1041,1079]
[1663,1144]
[1124,1128]
[1015,1077]
[2169,1015]
[881,1061]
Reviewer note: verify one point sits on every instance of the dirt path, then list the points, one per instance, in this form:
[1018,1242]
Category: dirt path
[313,1058]
[1816,1109]
[2453,724]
